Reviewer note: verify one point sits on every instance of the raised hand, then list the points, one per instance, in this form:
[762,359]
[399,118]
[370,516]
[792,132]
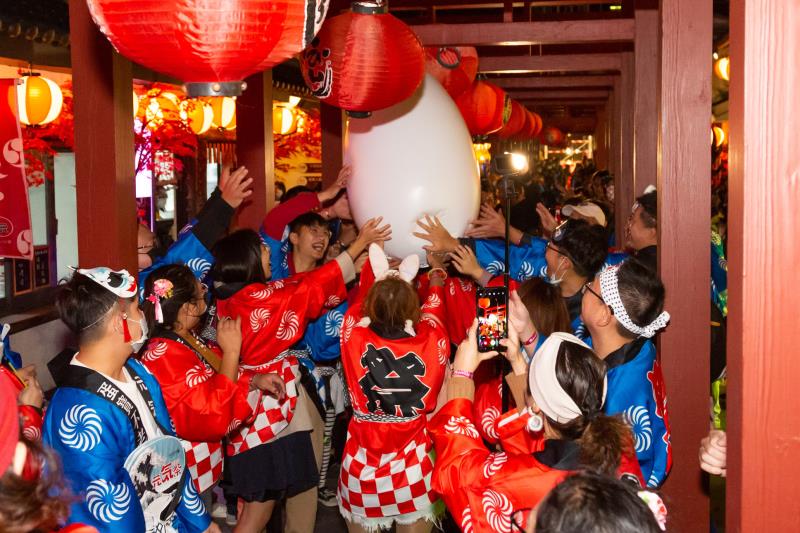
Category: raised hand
[491,223]
[465,262]
[467,356]
[548,220]
[330,192]
[513,352]
[436,234]
[370,232]
[32,394]
[234,186]
[519,318]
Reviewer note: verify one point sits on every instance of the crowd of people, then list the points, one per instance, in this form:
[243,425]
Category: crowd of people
[235,369]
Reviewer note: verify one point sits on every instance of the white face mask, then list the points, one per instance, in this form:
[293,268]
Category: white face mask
[553,278]
[138,343]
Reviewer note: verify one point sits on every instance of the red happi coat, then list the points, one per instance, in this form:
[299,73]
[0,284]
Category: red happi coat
[459,298]
[204,405]
[31,422]
[393,385]
[274,317]
[482,489]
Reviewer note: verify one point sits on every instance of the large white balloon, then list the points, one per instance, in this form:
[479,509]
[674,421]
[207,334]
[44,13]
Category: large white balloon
[409,160]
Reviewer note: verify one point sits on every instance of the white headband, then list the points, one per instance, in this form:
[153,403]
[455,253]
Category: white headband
[547,392]
[610,292]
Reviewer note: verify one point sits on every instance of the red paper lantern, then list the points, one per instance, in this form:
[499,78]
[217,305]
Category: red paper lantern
[212,45]
[537,124]
[364,60]
[552,136]
[485,108]
[516,121]
[455,67]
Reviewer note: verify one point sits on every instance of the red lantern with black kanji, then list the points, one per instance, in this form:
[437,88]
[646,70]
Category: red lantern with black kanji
[552,136]
[363,60]
[485,108]
[212,45]
[455,67]
[516,121]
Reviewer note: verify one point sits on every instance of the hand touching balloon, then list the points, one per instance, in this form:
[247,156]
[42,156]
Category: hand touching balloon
[491,223]
[465,262]
[436,234]
[370,232]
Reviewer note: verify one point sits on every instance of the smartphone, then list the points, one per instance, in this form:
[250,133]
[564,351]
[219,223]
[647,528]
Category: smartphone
[492,305]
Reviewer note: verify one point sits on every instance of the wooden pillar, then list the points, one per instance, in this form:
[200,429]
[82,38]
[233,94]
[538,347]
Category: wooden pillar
[255,149]
[332,124]
[601,139]
[684,192]
[104,167]
[624,184]
[764,251]
[645,143]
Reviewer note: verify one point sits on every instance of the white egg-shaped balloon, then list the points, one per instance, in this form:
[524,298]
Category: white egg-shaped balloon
[411,160]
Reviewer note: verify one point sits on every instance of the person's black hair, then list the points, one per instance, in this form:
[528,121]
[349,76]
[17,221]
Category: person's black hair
[184,285]
[649,203]
[294,191]
[641,292]
[588,502]
[585,244]
[82,304]
[602,439]
[281,186]
[237,258]
[307,219]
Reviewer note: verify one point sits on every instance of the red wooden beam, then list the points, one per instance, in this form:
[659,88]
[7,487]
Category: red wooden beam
[764,251]
[645,141]
[567,94]
[534,103]
[104,173]
[624,186]
[255,149]
[332,125]
[518,33]
[571,124]
[683,221]
[553,82]
[556,63]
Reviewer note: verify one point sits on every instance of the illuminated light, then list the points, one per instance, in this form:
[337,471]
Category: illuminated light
[39,100]
[715,56]
[196,114]
[519,162]
[135,104]
[284,120]
[615,8]
[569,151]
[722,68]
[224,112]
[717,136]
[293,101]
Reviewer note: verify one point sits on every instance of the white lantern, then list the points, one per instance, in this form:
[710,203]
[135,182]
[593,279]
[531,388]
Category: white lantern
[39,100]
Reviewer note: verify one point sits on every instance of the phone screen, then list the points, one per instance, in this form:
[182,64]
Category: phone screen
[492,320]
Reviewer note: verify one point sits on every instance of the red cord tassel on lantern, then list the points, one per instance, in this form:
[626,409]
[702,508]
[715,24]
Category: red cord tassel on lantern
[210,44]
[455,67]
[485,108]
[363,60]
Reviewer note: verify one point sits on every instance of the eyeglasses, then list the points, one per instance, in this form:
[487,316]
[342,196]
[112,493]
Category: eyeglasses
[519,518]
[588,287]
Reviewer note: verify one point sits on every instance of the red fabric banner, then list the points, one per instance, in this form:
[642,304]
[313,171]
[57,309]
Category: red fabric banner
[16,237]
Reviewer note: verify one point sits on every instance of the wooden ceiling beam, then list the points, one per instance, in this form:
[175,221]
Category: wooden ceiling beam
[526,33]
[556,63]
[534,103]
[553,82]
[559,93]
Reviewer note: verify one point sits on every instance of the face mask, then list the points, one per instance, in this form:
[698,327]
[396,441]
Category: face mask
[138,343]
[553,278]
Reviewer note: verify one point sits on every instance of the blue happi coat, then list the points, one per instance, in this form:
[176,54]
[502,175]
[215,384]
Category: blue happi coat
[93,437]
[636,391]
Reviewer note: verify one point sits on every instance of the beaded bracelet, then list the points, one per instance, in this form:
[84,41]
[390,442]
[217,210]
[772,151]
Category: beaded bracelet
[463,374]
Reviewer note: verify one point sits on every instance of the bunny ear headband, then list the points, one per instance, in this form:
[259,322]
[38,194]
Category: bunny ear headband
[380,265]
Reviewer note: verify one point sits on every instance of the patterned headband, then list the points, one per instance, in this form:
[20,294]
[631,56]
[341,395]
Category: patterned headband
[610,291]
[547,392]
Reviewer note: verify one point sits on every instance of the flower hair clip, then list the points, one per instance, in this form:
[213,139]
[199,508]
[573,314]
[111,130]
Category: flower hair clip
[162,288]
